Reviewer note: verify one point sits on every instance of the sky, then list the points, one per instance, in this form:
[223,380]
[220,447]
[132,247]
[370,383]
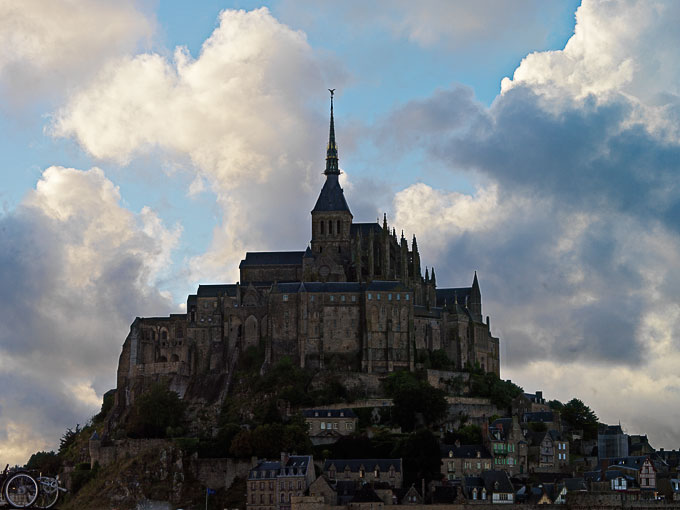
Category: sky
[146,146]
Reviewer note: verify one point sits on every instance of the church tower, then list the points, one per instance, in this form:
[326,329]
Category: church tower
[331,217]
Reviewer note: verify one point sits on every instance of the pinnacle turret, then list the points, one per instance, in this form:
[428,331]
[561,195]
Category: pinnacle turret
[332,167]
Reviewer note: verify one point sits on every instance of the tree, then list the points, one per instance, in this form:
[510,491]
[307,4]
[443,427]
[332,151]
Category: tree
[412,395]
[489,385]
[468,434]
[154,412]
[68,439]
[580,416]
[45,462]
[421,456]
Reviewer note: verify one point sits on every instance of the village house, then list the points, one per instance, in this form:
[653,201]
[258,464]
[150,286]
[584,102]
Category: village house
[327,425]
[458,460]
[365,470]
[271,484]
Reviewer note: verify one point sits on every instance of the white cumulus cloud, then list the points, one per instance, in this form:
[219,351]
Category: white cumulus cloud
[75,269]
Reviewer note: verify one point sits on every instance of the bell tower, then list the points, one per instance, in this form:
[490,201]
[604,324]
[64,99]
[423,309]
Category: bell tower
[331,217]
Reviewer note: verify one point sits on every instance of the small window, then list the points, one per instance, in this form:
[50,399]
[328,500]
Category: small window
[311,298]
[322,225]
[342,298]
[285,297]
[389,297]
[354,298]
[332,298]
[370,296]
[407,296]
[330,227]
[338,230]
[377,296]
[398,297]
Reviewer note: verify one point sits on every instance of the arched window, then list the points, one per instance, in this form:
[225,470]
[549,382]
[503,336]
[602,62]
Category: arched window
[153,335]
[322,225]
[330,227]
[174,357]
[338,231]
[164,335]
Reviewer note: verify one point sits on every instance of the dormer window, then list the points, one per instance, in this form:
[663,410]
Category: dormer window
[450,453]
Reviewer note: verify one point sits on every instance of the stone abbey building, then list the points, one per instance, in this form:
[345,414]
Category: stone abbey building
[354,300]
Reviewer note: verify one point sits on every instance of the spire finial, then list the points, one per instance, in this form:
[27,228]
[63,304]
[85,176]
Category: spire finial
[332,149]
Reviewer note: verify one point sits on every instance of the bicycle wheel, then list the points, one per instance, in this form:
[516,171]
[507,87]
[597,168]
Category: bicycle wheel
[20,490]
[48,493]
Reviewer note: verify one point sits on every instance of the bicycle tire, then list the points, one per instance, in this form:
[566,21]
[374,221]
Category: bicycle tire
[48,493]
[20,490]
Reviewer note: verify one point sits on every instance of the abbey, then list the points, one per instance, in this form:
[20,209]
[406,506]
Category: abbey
[354,300]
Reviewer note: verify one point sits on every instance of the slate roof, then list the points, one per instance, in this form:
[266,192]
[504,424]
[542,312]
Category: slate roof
[462,293]
[345,490]
[216,290]
[464,451]
[422,311]
[328,413]
[364,228]
[541,416]
[272,258]
[331,198]
[317,287]
[575,484]
[444,494]
[382,285]
[297,465]
[629,462]
[500,478]
[366,495]
[369,464]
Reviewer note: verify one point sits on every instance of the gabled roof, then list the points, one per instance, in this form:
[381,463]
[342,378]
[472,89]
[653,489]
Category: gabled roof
[217,290]
[540,416]
[272,258]
[365,228]
[575,484]
[328,413]
[366,495]
[331,198]
[386,285]
[450,295]
[368,464]
[464,451]
[497,481]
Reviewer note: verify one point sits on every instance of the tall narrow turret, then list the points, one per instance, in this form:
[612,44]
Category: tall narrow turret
[331,217]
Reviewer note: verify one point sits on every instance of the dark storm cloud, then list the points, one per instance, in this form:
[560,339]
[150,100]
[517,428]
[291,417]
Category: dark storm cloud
[584,162]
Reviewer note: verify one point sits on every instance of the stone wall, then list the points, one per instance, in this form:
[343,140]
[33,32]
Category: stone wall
[595,503]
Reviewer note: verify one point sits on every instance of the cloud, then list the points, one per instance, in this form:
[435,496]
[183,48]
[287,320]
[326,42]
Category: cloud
[75,267]
[574,225]
[49,47]
[239,112]
[437,23]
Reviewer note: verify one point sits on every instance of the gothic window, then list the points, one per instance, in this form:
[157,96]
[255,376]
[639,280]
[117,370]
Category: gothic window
[174,357]
[164,335]
[338,229]
[330,227]
[322,225]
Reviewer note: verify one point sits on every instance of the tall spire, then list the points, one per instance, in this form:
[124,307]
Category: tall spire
[332,150]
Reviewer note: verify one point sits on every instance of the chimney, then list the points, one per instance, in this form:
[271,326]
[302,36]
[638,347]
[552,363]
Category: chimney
[539,397]
[284,459]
